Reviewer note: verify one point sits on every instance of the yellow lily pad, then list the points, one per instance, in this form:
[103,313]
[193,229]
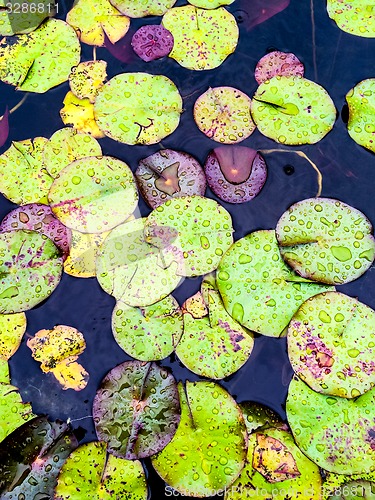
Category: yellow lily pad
[136,8]
[12,328]
[79,114]
[83,252]
[86,79]
[210,4]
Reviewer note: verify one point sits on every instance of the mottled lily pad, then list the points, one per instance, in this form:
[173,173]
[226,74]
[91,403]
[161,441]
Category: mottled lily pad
[213,344]
[210,4]
[203,228]
[84,249]
[208,450]
[100,476]
[356,17]
[236,174]
[30,270]
[259,417]
[13,412]
[361,103]
[38,61]
[138,108]
[136,409]
[278,63]
[16,17]
[79,113]
[336,433]
[4,372]
[348,487]
[223,114]
[169,174]
[152,41]
[258,289]
[148,333]
[12,328]
[94,194]
[86,79]
[293,110]
[326,240]
[144,8]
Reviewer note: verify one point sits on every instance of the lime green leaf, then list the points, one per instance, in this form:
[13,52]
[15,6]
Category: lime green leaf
[79,113]
[348,487]
[143,8]
[84,250]
[17,17]
[356,17]
[361,103]
[13,412]
[12,328]
[4,372]
[260,417]
[210,4]
[86,79]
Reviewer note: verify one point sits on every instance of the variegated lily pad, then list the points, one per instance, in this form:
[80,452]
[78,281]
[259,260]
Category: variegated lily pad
[16,17]
[12,328]
[278,63]
[136,409]
[144,8]
[326,240]
[258,289]
[79,113]
[361,103]
[86,79]
[223,114]
[348,487]
[13,412]
[356,17]
[84,249]
[210,4]
[293,110]
[152,41]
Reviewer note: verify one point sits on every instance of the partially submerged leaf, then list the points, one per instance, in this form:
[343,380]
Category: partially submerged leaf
[79,113]
[83,252]
[13,412]
[260,11]
[152,41]
[4,127]
[361,103]
[259,417]
[144,8]
[210,4]
[12,328]
[86,79]
[356,17]
[278,63]
[16,17]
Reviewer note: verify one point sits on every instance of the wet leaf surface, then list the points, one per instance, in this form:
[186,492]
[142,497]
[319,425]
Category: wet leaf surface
[144,8]
[353,16]
[210,4]
[361,102]
[259,417]
[79,114]
[152,41]
[278,63]
[84,249]
[86,79]
[12,328]
[13,412]
[14,21]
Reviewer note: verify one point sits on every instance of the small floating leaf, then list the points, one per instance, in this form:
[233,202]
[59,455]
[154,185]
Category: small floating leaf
[361,103]
[16,17]
[4,127]
[12,328]
[259,12]
[79,113]
[13,412]
[278,63]
[152,42]
[356,17]
[86,79]
[144,8]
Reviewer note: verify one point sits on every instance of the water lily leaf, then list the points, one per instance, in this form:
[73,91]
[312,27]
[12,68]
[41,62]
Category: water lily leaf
[131,269]
[31,458]
[361,103]
[92,20]
[278,63]
[4,372]
[353,16]
[276,468]
[86,79]
[101,194]
[203,232]
[169,174]
[348,487]
[144,8]
[30,270]
[14,20]
[13,412]
[38,61]
[136,409]
[129,108]
[4,126]
[203,39]
[148,333]
[84,250]
[22,175]
[260,417]
[79,113]
[152,41]
[293,110]
[122,50]
[57,350]
[210,4]
[213,344]
[100,476]
[273,292]
[260,11]
[336,433]
[209,448]
[329,344]
[236,174]
[38,217]
[12,328]
[326,240]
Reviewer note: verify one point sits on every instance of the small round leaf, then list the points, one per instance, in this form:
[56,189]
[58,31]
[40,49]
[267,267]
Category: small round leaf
[278,63]
[353,16]
[86,79]
[152,41]
[361,103]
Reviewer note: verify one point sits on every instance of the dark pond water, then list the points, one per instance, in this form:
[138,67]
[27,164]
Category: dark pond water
[332,58]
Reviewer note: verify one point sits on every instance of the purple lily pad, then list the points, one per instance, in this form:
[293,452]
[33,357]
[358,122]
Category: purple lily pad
[236,174]
[40,218]
[4,127]
[278,63]
[260,11]
[152,41]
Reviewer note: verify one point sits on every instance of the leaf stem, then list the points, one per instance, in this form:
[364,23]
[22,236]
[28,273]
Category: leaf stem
[94,53]
[17,105]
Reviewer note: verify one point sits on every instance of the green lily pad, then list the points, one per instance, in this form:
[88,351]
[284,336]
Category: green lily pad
[134,271]
[136,409]
[86,79]
[16,17]
[13,412]
[79,114]
[356,17]
[38,61]
[213,344]
[348,487]
[148,333]
[100,476]
[210,4]
[259,417]
[293,110]
[94,194]
[208,450]
[361,103]
[4,372]
[258,289]
[144,8]
[84,250]
[12,328]
[326,240]
[138,108]
[223,114]
[203,39]
[30,270]
[331,341]
[203,232]
[66,146]
[276,468]
[336,433]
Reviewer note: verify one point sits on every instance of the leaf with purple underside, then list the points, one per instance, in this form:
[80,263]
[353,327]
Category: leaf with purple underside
[152,42]
[121,50]
[260,11]
[4,127]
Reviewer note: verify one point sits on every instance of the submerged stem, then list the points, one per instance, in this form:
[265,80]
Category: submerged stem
[17,105]
[94,53]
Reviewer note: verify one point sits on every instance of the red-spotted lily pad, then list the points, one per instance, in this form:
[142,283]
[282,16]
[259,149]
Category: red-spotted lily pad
[138,108]
[356,17]
[208,450]
[338,434]
[203,39]
[258,289]
[148,333]
[278,63]
[144,8]
[16,17]
[259,417]
[13,412]
[210,4]
[136,409]
[39,217]
[86,79]
[94,194]
[223,114]
[79,114]
[236,174]
[4,127]
[331,341]
[168,174]
[293,110]
[326,240]
[361,103]
[84,249]
[30,270]
[203,232]
[213,344]
[12,328]
[152,41]
[95,474]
